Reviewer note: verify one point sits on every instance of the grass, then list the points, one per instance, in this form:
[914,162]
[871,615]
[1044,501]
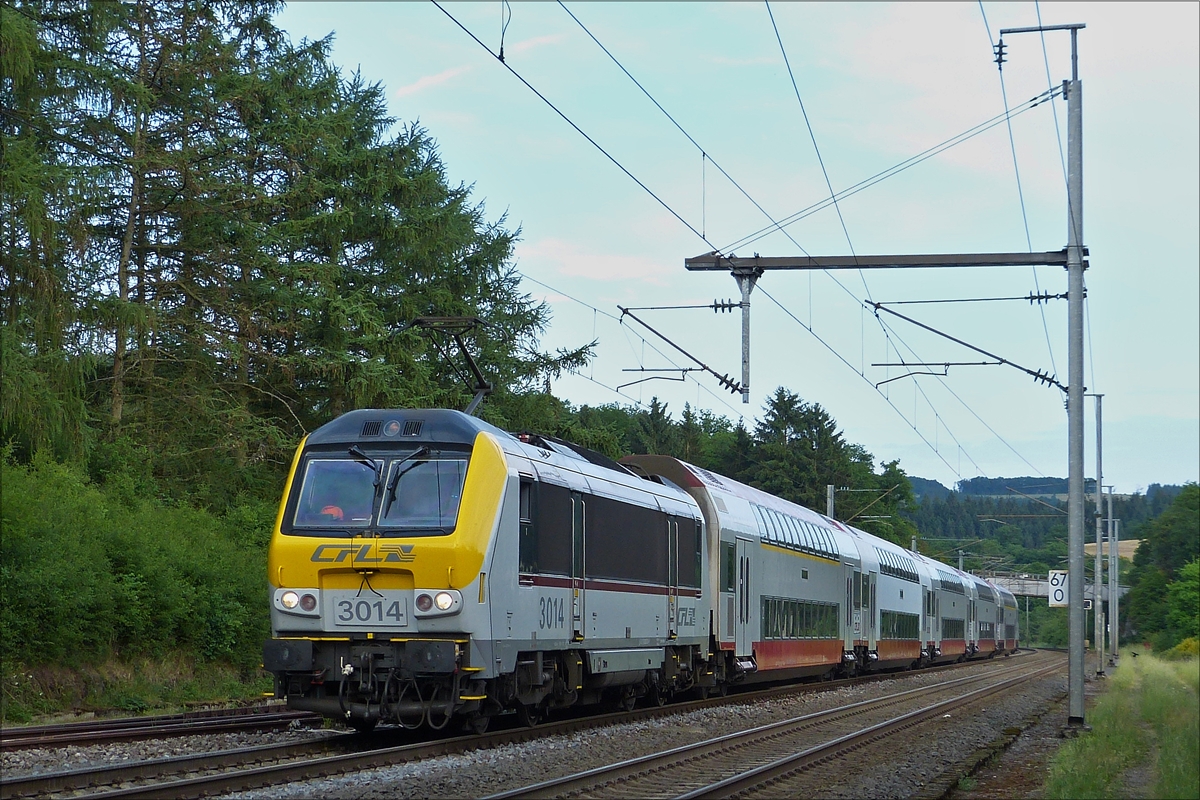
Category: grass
[144,685]
[1150,716]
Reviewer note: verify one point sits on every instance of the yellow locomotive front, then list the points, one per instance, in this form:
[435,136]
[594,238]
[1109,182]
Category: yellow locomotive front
[376,568]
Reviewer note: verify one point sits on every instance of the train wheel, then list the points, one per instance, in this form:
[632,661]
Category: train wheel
[529,716]
[476,723]
[658,697]
[364,725]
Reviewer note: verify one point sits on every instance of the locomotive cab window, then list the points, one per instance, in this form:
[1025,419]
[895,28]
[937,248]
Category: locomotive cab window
[423,495]
[335,493]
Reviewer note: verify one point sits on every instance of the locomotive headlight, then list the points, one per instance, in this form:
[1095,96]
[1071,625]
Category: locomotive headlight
[437,602]
[298,602]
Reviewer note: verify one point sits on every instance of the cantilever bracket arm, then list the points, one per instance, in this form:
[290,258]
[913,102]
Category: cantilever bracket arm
[1038,375]
[725,381]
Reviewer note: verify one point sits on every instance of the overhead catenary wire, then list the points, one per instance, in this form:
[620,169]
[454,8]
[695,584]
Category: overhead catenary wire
[667,207]
[705,156]
[775,225]
[833,197]
[578,129]
[813,137]
[895,169]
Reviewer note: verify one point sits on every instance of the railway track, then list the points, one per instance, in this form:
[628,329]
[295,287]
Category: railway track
[249,768]
[765,758]
[134,728]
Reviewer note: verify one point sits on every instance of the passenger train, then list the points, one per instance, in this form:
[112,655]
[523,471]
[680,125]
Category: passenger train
[427,568]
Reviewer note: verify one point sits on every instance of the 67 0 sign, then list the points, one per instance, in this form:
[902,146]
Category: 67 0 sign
[1058,588]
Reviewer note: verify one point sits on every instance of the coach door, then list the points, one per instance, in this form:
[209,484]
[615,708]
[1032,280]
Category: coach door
[745,633]
[869,590]
[928,606]
[971,627]
[856,597]
[578,595]
[672,577]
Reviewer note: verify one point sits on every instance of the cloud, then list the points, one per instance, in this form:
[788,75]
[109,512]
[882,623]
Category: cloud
[567,258]
[431,80]
[537,41]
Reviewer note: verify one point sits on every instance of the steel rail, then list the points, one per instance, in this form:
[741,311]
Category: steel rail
[310,768]
[588,781]
[788,766]
[111,722]
[126,730]
[45,784]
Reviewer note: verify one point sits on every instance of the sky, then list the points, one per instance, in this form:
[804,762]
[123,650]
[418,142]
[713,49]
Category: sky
[879,83]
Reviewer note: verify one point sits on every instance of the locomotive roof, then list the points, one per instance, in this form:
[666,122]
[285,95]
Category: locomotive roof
[417,425]
[432,426]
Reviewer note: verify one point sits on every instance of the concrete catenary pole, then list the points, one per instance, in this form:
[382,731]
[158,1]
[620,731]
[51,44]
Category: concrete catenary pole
[1114,584]
[1098,569]
[829,500]
[1075,388]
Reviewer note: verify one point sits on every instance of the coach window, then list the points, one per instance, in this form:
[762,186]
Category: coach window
[759,518]
[728,566]
[794,526]
[773,522]
[688,551]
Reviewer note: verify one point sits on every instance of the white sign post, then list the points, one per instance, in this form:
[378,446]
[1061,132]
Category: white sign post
[1058,588]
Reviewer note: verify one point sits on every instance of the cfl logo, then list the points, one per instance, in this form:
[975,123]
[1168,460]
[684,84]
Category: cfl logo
[361,554]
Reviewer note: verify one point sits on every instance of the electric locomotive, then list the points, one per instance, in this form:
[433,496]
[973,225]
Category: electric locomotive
[427,567]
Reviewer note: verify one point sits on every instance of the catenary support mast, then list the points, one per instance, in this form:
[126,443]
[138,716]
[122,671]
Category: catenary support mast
[747,271]
[1098,596]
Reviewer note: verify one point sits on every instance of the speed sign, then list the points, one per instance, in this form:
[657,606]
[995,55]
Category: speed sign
[1058,588]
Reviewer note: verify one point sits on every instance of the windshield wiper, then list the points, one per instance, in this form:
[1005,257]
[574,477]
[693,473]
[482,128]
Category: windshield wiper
[391,487]
[363,458]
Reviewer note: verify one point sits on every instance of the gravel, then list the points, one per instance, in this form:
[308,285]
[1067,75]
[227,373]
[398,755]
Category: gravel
[904,765]
[900,769]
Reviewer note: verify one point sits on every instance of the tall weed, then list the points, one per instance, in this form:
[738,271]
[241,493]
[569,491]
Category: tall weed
[1151,706]
[1088,765]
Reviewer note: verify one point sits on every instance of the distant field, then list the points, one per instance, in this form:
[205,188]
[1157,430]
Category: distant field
[1125,548]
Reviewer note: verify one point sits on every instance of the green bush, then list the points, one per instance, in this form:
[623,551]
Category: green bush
[90,572]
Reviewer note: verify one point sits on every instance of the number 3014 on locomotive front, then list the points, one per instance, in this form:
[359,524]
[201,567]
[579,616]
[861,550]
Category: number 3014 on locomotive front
[382,609]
